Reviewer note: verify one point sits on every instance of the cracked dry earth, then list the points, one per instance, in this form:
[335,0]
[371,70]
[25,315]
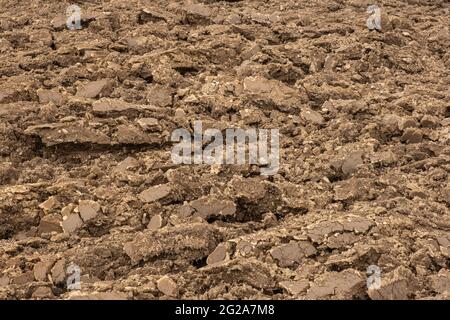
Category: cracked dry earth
[87,178]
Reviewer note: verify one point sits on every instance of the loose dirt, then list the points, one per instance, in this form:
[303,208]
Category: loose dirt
[87,180]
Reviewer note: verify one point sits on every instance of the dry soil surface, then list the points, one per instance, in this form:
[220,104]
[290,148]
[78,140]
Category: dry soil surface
[86,176]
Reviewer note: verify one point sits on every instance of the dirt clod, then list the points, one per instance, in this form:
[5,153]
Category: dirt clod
[155,193]
[167,286]
[219,254]
[289,254]
[71,223]
[96,89]
[88,209]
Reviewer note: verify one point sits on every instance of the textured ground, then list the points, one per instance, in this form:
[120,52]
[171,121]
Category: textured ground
[86,175]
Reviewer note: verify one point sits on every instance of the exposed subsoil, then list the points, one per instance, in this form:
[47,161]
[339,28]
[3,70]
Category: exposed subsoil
[87,178]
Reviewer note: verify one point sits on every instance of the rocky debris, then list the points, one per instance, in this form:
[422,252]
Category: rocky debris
[96,89]
[191,241]
[347,284]
[155,193]
[292,253]
[167,286]
[396,285]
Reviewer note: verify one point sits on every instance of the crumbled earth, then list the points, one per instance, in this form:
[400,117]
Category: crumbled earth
[87,180]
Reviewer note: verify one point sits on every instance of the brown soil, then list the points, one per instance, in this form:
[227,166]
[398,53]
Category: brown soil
[86,175]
